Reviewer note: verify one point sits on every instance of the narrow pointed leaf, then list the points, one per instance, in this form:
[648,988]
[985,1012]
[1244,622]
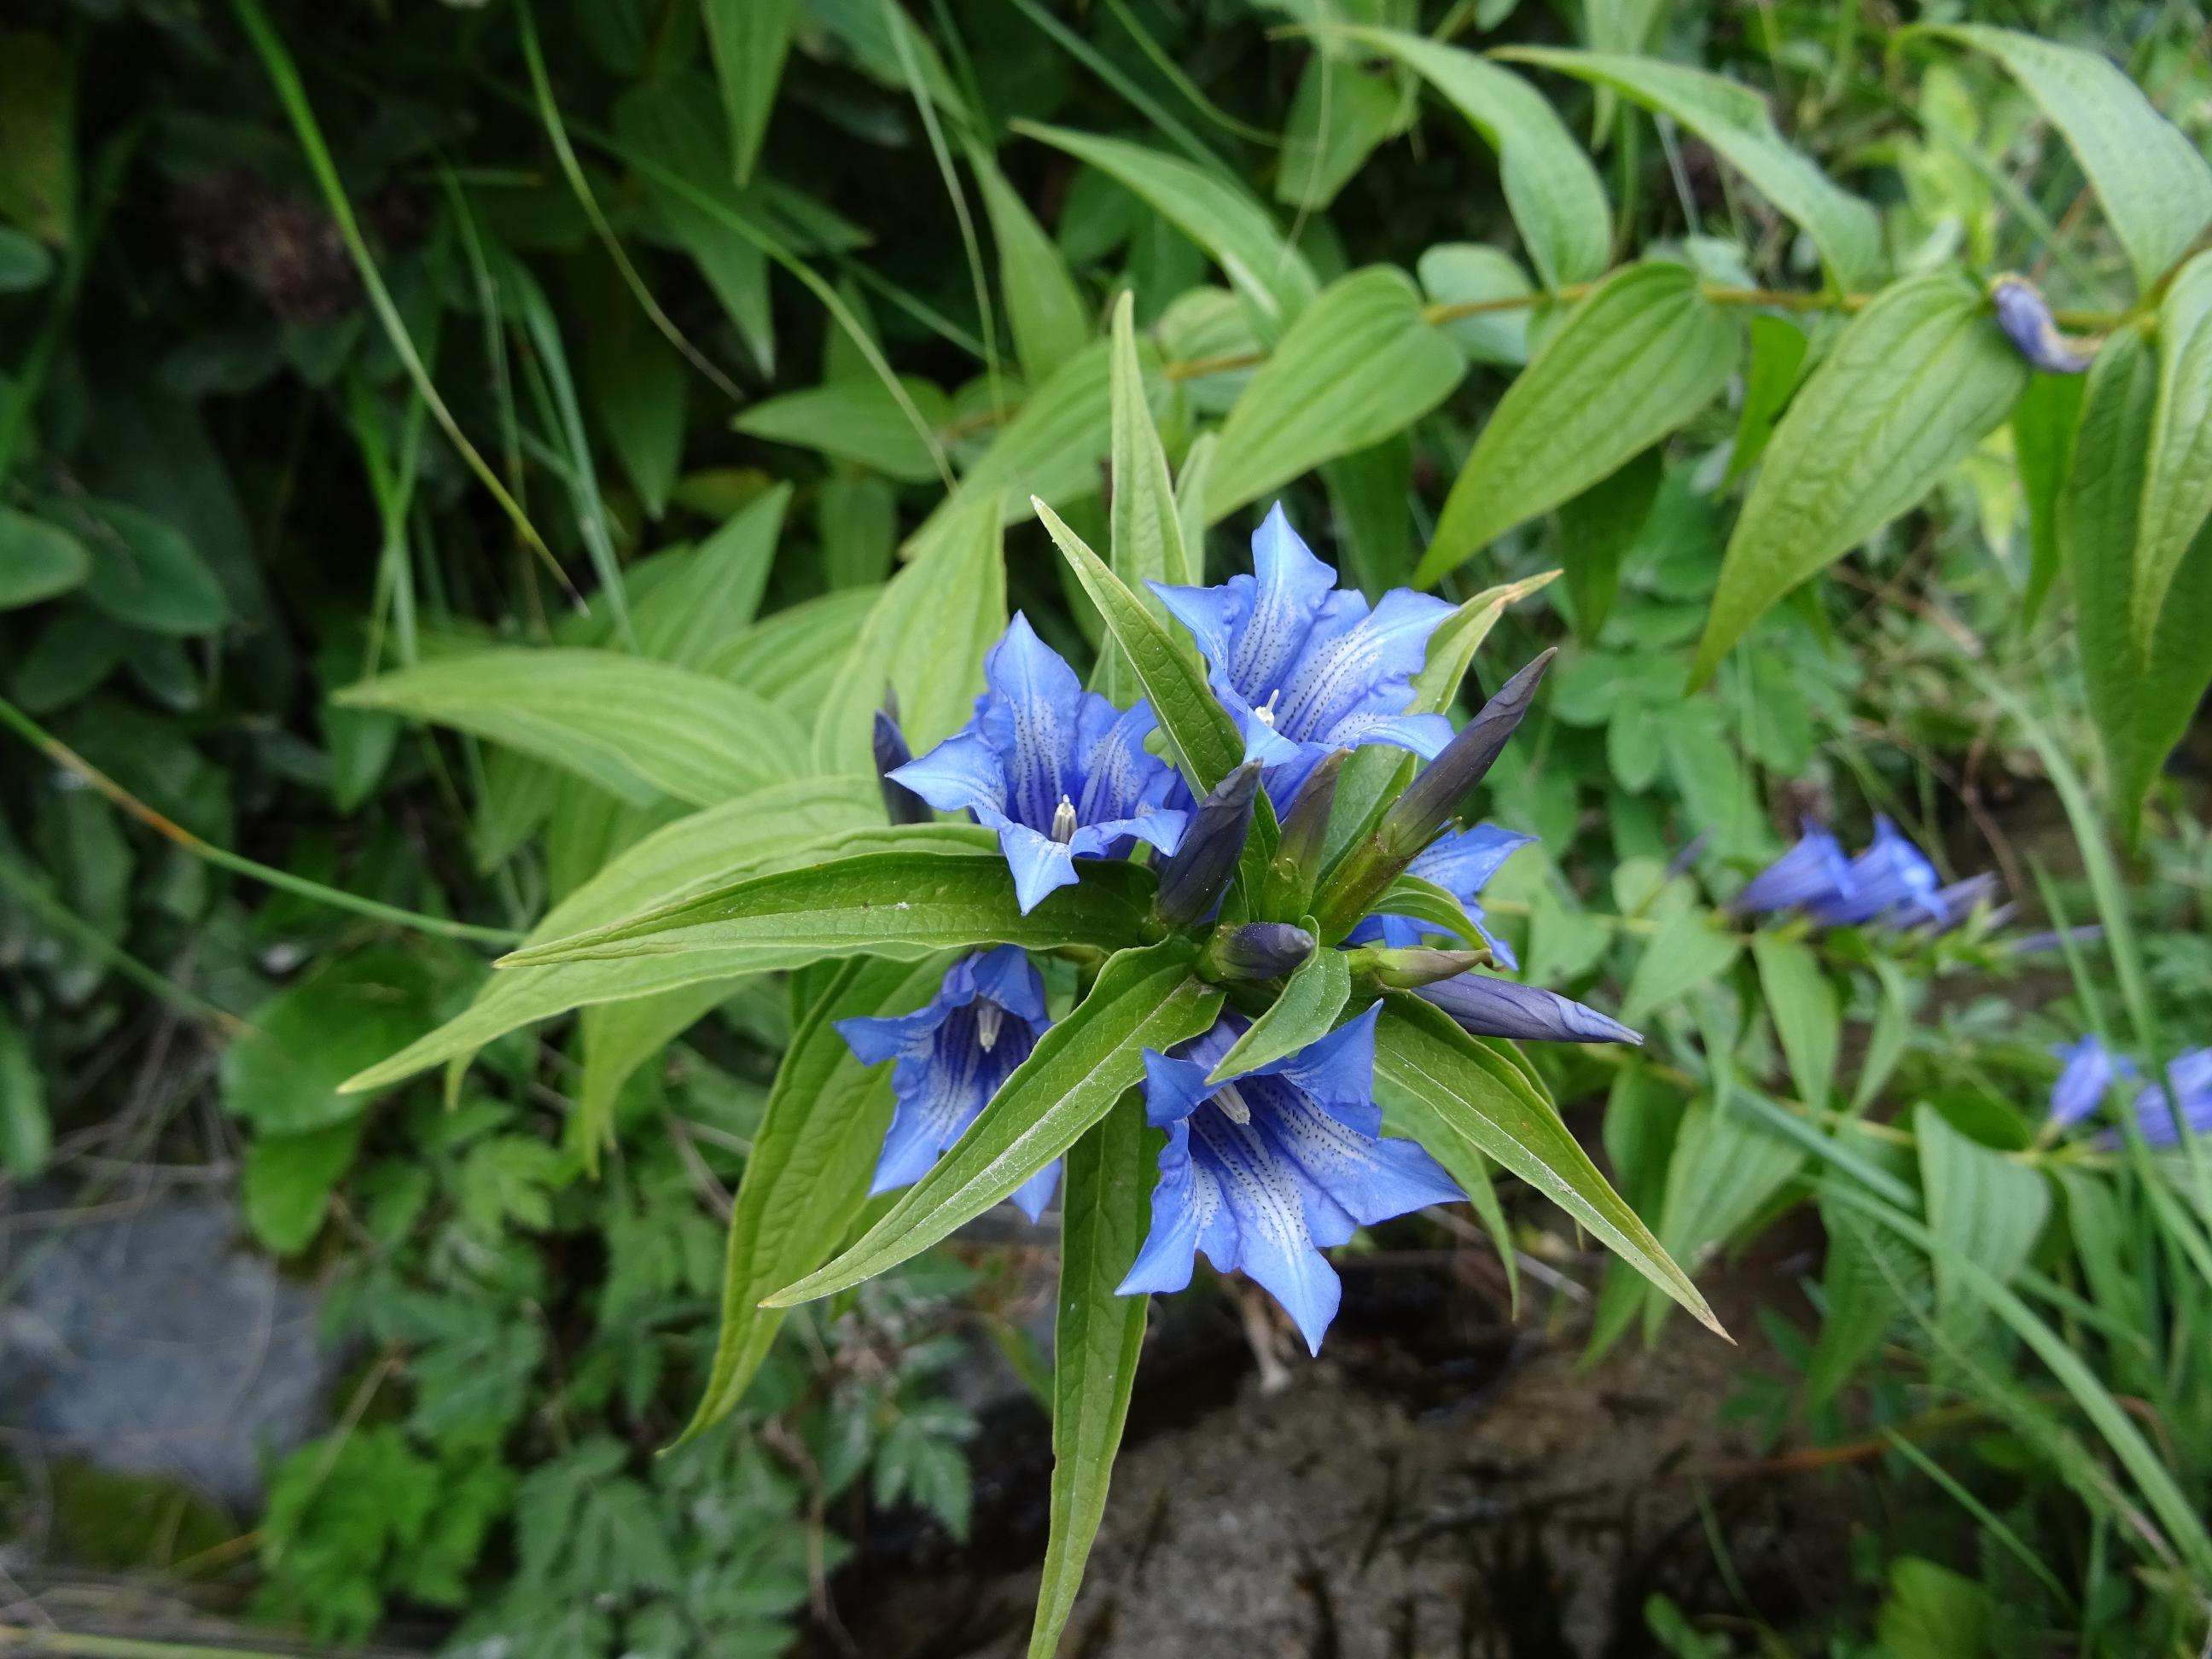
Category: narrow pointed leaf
[1304,1013]
[2177,491]
[1633,363]
[1051,322]
[1918,378]
[1802,1006]
[1435,908]
[1143,999]
[1460,635]
[1097,1340]
[1147,544]
[748,39]
[806,1177]
[1453,1088]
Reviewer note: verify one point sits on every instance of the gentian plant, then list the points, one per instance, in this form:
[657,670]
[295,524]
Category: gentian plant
[1281,1029]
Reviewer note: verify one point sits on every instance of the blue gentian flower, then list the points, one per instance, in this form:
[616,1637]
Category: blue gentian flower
[1814,872]
[1058,771]
[1891,883]
[1305,668]
[952,1055]
[2089,1070]
[2189,1077]
[1461,861]
[1265,1169]
[2025,316]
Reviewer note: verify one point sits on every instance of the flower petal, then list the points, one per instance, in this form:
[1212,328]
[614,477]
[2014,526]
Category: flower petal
[1040,865]
[1367,666]
[1338,1071]
[1262,1195]
[2089,1071]
[961,775]
[1033,1194]
[1372,1177]
[1029,717]
[1184,1204]
[1174,1088]
[1005,976]
[1290,586]
[1814,872]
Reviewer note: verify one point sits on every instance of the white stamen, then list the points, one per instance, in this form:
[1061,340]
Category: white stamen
[988,1018]
[1264,713]
[1233,1104]
[1063,822]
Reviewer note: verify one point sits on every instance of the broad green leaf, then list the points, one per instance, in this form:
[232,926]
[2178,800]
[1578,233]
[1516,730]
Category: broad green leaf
[1918,378]
[1359,364]
[639,387]
[1460,635]
[695,851]
[1933,1613]
[2153,185]
[1147,537]
[748,39]
[715,591]
[806,1178]
[1304,1013]
[1435,908]
[1339,114]
[26,1133]
[856,521]
[1454,274]
[793,657]
[1051,322]
[1053,444]
[1596,528]
[285,1188]
[1143,999]
[1454,1089]
[2176,1513]
[144,572]
[1633,362]
[631,724]
[38,560]
[1981,1205]
[2177,490]
[1273,276]
[1734,120]
[1724,1169]
[1642,1115]
[618,1037]
[1778,347]
[855,420]
[283,1075]
[1551,187]
[1203,737]
[2043,423]
[2140,711]
[1688,950]
[1802,1006]
[925,637]
[1864,1296]
[887,904]
[1097,1337]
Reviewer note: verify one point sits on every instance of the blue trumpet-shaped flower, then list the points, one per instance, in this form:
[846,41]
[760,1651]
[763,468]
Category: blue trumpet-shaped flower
[1305,668]
[2091,1069]
[1813,871]
[1058,771]
[1263,1170]
[951,1055]
[1891,881]
[1461,861]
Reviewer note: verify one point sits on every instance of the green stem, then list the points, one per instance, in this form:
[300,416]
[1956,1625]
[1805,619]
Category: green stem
[117,1647]
[62,755]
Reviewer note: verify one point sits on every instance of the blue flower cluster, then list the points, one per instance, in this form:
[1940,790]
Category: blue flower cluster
[2090,1069]
[1890,884]
[1265,1169]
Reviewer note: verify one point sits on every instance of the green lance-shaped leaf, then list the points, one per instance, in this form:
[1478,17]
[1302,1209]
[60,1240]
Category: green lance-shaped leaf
[26,1131]
[1096,1338]
[1303,1013]
[1051,322]
[795,821]
[2177,491]
[925,637]
[2156,188]
[1361,363]
[1633,363]
[1452,1088]
[1802,1006]
[1982,1207]
[1553,193]
[38,560]
[1725,1169]
[636,726]
[1734,120]
[2140,710]
[1436,908]
[1687,951]
[855,420]
[1261,265]
[748,39]
[807,1179]
[883,903]
[1916,380]
[1148,544]
[1460,635]
[1143,999]
[2043,423]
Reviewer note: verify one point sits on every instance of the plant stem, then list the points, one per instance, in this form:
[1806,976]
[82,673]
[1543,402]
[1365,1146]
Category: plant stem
[62,755]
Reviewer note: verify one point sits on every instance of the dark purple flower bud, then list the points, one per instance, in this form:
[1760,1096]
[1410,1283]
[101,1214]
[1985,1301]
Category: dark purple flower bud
[1406,967]
[1193,879]
[1414,818]
[1500,1007]
[2025,317]
[1305,827]
[903,805]
[1256,949]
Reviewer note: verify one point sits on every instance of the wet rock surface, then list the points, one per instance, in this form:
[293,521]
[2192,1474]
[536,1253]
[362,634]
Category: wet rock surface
[1437,1485]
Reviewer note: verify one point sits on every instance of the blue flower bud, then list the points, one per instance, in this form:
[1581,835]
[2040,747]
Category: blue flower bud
[1500,1007]
[902,805]
[1256,949]
[1414,818]
[1193,879]
[2026,319]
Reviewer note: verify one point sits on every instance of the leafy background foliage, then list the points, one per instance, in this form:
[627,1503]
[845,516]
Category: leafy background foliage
[471,473]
